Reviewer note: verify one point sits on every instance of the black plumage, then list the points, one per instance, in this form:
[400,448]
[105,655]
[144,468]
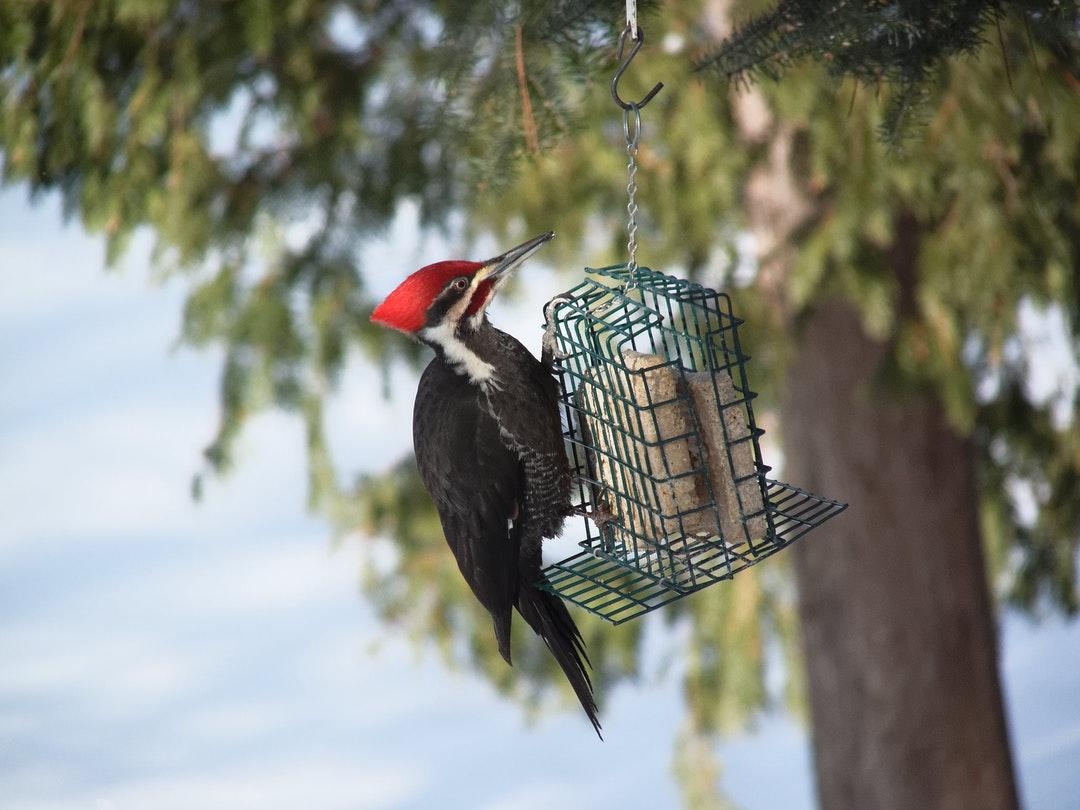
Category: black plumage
[490,453]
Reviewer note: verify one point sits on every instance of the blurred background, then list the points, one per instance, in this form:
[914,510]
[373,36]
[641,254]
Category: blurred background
[221,584]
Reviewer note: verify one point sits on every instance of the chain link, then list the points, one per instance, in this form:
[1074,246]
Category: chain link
[633,138]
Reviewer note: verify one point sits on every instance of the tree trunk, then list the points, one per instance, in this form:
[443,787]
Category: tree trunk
[899,632]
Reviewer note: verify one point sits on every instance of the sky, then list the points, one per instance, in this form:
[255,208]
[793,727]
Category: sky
[161,653]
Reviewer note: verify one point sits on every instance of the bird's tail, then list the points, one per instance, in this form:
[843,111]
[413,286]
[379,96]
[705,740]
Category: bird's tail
[546,614]
[502,633]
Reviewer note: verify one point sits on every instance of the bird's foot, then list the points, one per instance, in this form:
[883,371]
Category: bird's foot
[549,350]
[600,515]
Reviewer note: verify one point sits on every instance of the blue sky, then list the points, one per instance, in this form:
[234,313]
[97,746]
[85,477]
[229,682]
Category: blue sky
[158,653]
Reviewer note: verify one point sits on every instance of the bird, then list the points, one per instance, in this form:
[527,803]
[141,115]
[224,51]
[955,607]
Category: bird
[489,448]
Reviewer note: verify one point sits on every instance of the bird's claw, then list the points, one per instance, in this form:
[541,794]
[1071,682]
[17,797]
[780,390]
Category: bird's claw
[599,514]
[549,350]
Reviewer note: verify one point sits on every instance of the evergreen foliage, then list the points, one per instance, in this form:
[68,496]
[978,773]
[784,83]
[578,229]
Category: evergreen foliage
[213,123]
[901,44]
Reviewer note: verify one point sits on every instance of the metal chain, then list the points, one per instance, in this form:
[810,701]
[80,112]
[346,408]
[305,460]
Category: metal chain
[633,138]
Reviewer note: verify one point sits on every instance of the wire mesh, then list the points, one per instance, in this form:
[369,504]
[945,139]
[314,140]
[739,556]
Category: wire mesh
[660,430]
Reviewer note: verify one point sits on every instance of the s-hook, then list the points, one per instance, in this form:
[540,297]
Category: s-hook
[632,132]
[639,40]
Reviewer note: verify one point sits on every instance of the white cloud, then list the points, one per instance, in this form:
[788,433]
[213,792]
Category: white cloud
[1054,744]
[113,473]
[115,675]
[327,783]
[542,796]
[251,577]
[123,473]
[367,431]
[59,272]
[37,281]
[233,722]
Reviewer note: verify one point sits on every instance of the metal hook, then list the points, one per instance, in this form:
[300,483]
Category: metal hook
[625,64]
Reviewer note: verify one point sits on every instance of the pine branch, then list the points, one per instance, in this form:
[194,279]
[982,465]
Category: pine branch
[900,44]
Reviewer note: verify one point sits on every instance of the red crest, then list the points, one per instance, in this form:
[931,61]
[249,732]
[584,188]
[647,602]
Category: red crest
[406,307]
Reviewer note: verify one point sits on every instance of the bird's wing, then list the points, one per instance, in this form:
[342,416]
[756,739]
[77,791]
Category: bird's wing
[526,408]
[476,482]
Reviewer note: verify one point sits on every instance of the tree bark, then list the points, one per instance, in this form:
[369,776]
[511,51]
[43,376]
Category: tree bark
[898,627]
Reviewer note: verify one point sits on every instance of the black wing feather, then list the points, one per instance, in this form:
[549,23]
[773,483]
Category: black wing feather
[476,482]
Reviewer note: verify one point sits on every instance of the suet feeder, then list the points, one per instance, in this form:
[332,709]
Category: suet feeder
[660,429]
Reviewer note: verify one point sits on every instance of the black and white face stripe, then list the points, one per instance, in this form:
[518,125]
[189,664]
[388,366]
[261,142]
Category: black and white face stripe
[451,303]
[442,331]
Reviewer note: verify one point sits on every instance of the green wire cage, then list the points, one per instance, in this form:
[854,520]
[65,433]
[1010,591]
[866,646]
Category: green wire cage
[663,444]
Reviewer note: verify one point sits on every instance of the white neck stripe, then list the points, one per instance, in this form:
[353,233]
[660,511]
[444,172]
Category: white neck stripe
[457,353]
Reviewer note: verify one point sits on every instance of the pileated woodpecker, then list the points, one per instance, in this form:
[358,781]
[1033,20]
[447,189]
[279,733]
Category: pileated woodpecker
[489,447]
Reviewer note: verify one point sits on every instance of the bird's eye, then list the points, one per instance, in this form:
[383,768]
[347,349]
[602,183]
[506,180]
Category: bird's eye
[461,283]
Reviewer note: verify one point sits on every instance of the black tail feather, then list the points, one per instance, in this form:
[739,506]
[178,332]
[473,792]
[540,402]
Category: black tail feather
[548,617]
[502,634]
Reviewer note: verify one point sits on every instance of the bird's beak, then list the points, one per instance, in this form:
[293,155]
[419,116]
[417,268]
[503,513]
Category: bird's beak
[501,265]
